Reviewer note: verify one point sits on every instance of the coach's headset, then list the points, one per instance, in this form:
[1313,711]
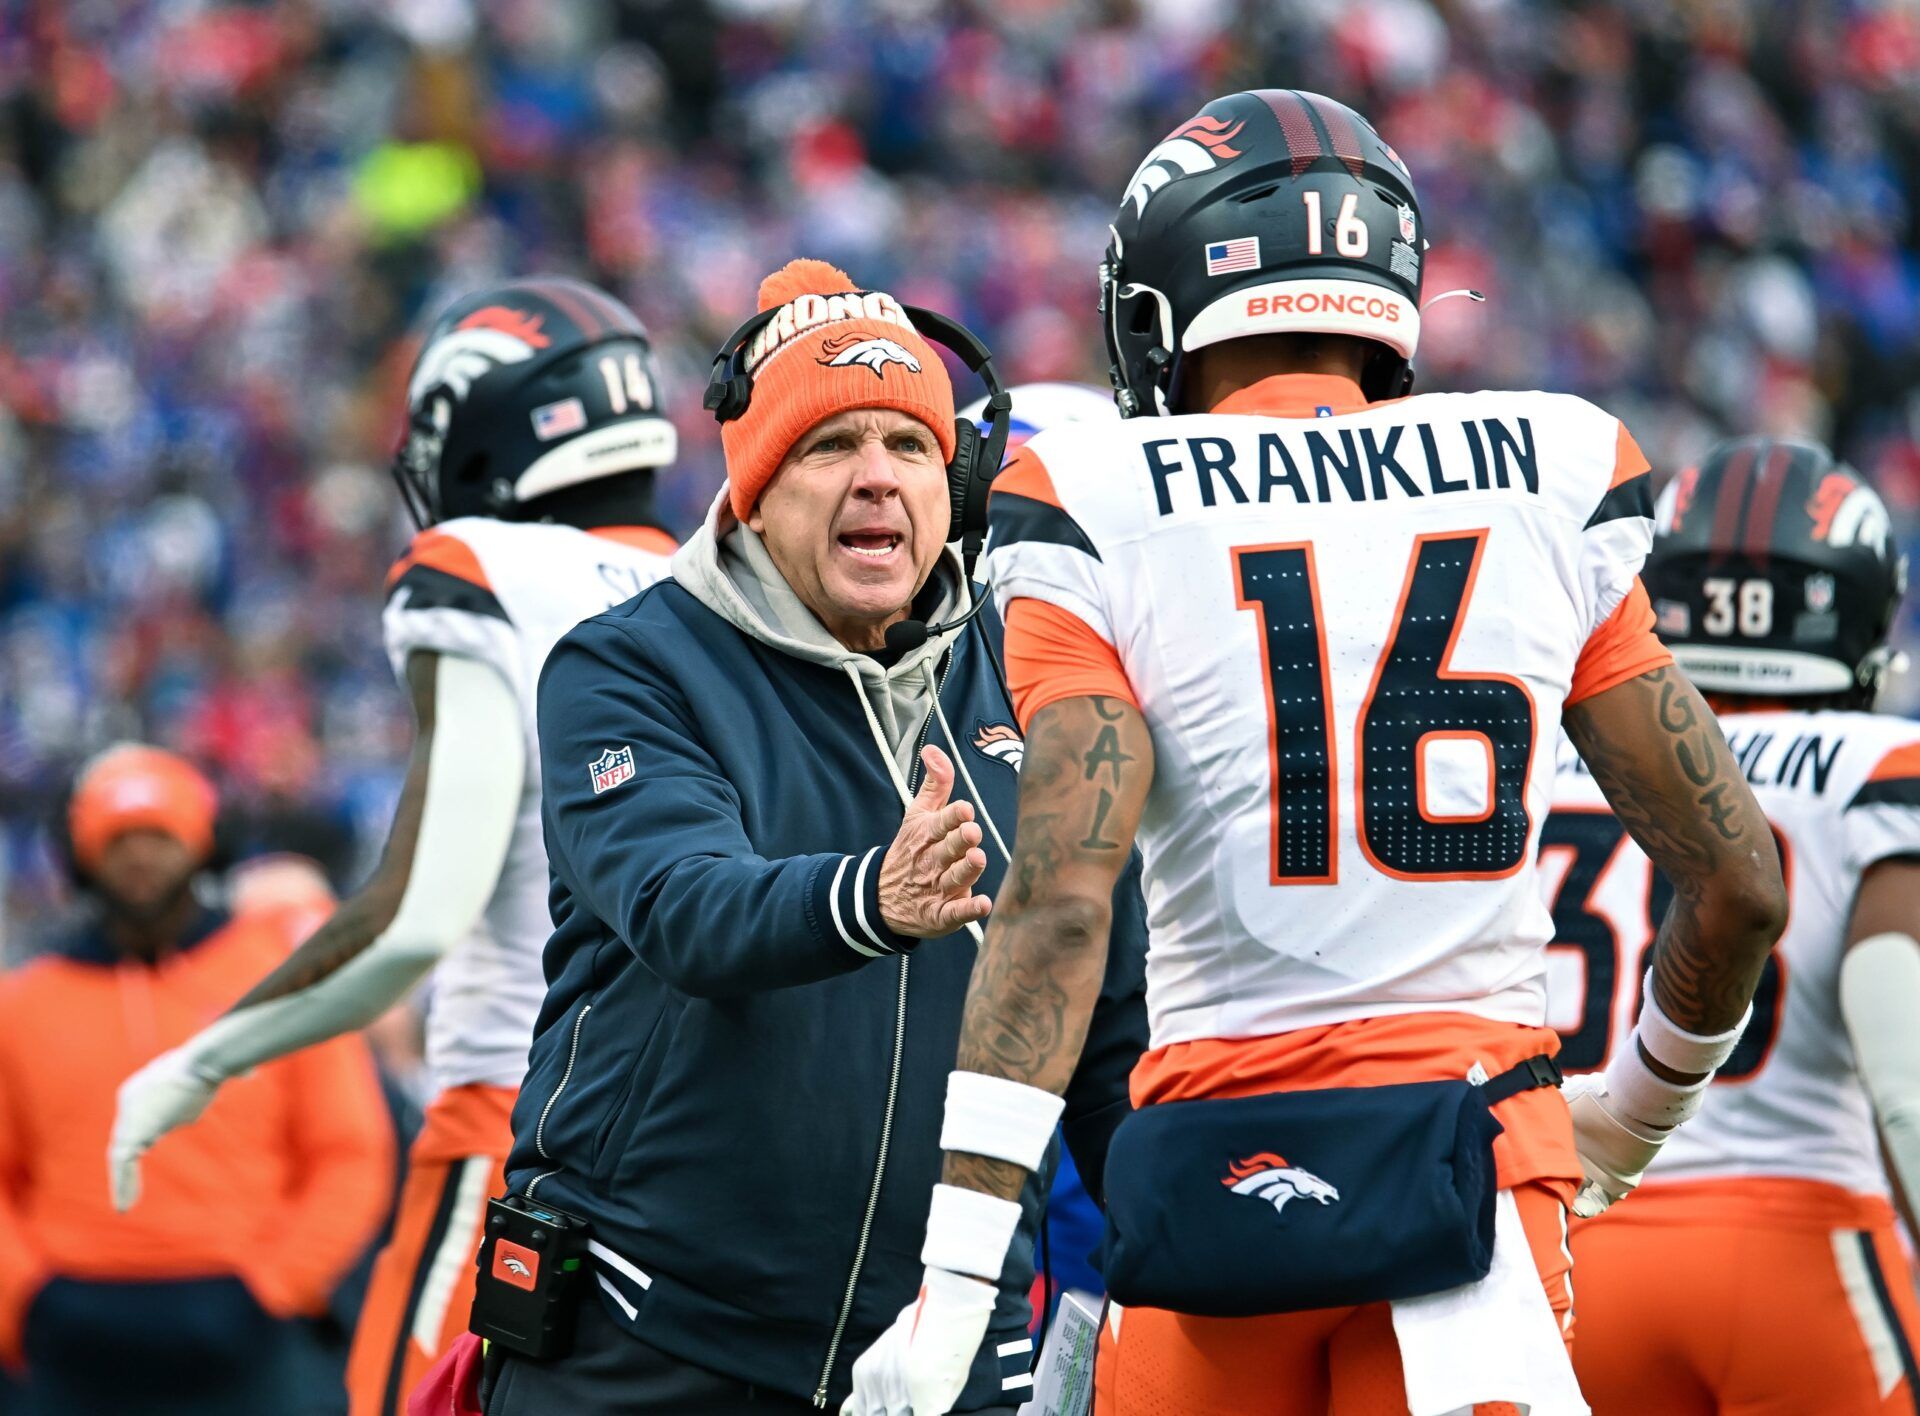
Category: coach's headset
[976,455]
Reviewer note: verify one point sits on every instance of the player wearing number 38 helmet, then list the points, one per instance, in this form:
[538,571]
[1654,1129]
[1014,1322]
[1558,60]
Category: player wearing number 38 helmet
[1775,578]
[1311,643]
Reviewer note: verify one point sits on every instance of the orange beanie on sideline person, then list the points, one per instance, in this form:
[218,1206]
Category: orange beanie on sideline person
[130,788]
[832,348]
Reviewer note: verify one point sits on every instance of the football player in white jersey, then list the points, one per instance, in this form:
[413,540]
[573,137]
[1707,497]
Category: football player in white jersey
[1314,641]
[534,432]
[1758,1270]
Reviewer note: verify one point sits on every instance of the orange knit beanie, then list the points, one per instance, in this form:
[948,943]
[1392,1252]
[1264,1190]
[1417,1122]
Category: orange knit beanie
[831,348]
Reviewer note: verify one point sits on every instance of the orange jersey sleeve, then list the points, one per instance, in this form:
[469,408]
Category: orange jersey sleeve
[1052,655]
[1623,647]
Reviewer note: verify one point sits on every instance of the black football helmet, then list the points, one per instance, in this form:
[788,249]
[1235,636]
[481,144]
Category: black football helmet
[523,388]
[1268,212]
[1774,573]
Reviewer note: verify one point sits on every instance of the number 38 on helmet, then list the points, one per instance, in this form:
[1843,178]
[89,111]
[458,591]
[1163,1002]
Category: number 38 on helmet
[1774,573]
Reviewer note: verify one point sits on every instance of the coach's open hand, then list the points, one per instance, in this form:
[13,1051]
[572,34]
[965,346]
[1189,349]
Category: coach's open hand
[927,878]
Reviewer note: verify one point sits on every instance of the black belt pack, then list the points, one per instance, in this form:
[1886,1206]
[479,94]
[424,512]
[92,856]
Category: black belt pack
[1307,1199]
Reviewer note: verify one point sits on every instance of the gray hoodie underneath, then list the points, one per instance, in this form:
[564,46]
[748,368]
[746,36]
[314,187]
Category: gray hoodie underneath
[725,566]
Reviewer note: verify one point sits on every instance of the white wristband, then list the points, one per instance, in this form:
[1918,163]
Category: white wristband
[1641,1095]
[1672,1046]
[999,1118]
[969,1231]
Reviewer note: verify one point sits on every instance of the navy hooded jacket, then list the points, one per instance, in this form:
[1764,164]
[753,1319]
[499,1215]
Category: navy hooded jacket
[739,1073]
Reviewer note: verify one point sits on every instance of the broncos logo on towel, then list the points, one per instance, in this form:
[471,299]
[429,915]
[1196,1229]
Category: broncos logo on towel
[1267,1176]
[869,351]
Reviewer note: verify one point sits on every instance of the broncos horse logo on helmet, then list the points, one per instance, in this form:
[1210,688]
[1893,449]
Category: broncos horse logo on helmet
[1197,145]
[521,389]
[1309,188]
[1774,573]
[1267,1176]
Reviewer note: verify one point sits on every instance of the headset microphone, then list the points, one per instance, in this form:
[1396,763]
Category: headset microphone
[908,635]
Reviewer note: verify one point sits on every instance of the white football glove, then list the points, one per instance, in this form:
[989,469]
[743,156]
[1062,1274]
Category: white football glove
[162,1096]
[920,1364]
[1615,1150]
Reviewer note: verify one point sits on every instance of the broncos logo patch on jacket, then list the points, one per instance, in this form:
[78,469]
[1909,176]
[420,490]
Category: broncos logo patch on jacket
[1002,742]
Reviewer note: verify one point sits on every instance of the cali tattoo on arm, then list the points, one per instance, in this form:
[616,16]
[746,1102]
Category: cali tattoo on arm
[361,919]
[1659,756]
[1089,762]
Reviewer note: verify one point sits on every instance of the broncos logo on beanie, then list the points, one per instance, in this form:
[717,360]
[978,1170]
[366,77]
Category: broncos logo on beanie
[872,353]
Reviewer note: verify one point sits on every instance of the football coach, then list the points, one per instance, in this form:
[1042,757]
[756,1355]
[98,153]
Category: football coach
[773,828]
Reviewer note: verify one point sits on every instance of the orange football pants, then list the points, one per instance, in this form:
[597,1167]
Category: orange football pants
[1329,1362]
[422,1287]
[1755,1297]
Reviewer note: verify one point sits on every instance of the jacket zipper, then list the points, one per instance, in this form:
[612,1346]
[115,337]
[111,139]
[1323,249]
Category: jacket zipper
[540,1126]
[886,1120]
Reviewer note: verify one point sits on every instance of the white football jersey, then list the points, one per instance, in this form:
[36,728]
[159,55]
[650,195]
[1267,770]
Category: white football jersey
[1351,631]
[504,593]
[1842,791]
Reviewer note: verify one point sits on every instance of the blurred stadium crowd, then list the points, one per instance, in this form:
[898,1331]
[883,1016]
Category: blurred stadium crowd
[219,223]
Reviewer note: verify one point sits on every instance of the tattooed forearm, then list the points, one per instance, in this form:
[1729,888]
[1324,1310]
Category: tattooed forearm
[1666,770]
[1088,764]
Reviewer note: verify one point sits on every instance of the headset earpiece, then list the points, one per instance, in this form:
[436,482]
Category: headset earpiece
[727,395]
[976,462]
[966,456]
[730,386]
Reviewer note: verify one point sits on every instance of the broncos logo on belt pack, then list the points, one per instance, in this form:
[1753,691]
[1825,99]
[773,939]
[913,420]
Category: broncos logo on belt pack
[869,351]
[1267,1176]
[1198,145]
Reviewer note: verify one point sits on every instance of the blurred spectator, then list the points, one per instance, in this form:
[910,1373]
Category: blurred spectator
[251,1216]
[218,220]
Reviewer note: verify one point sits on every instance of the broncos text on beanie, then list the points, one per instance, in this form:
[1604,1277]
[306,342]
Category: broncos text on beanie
[831,348]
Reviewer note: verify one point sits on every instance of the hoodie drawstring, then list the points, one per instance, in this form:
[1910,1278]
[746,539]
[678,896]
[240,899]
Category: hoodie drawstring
[960,760]
[893,768]
[879,735]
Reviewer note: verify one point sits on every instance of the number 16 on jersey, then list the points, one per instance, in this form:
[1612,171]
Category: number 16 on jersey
[1414,702]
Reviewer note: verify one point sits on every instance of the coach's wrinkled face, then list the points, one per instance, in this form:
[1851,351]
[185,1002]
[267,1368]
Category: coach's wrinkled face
[855,519]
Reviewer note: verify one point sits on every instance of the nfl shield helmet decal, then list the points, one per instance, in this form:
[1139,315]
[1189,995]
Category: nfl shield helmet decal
[611,768]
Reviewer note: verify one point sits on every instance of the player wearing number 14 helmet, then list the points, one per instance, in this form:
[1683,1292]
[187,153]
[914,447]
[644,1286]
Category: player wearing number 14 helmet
[1775,579]
[532,436]
[1312,641]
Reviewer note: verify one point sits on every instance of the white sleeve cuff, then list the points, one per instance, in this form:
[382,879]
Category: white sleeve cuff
[969,1231]
[999,1118]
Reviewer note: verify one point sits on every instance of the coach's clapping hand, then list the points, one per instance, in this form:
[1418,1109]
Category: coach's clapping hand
[927,878]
